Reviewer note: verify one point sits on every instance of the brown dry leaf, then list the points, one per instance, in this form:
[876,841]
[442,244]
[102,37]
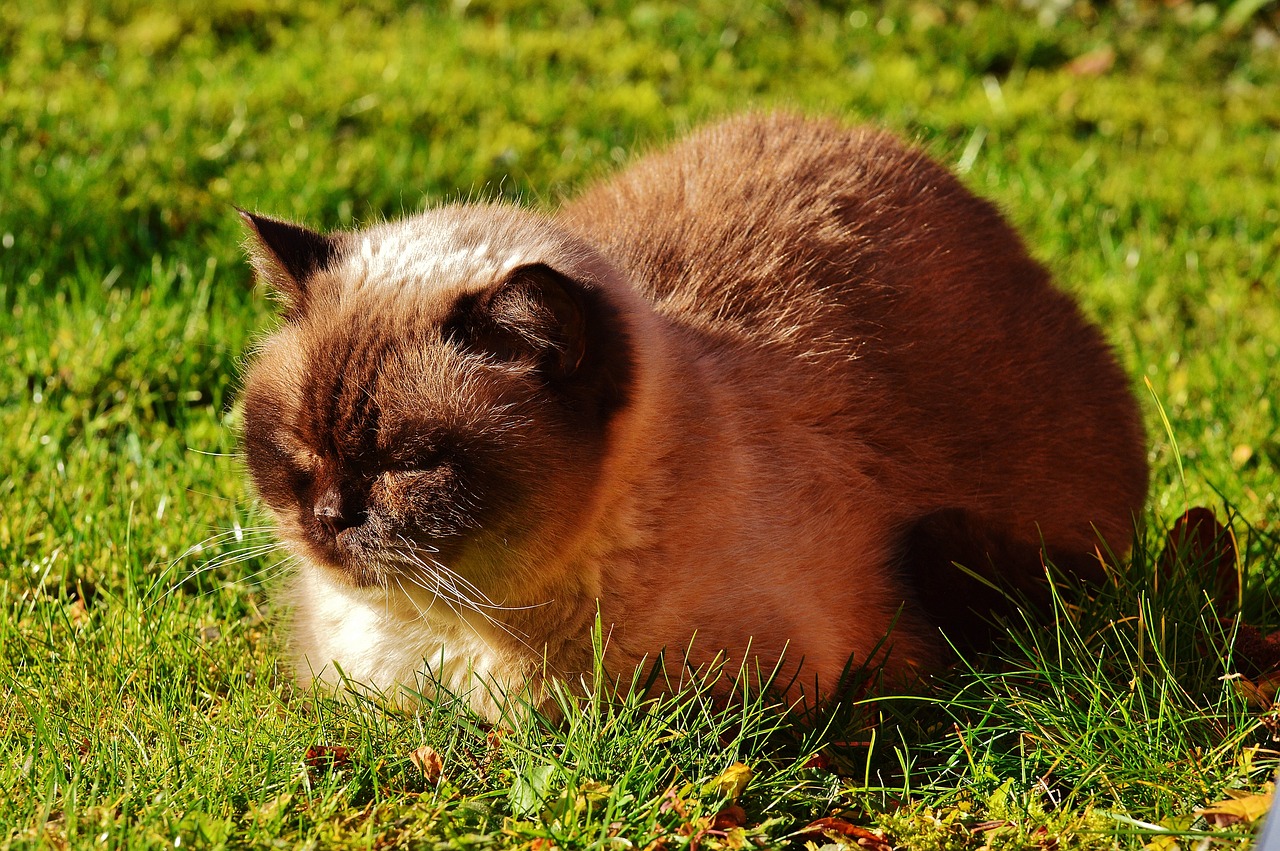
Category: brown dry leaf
[1044,840]
[327,758]
[1095,63]
[78,612]
[846,833]
[1260,694]
[1240,807]
[1198,540]
[493,739]
[730,817]
[428,762]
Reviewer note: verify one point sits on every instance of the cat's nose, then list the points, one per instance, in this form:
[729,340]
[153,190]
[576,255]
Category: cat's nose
[329,511]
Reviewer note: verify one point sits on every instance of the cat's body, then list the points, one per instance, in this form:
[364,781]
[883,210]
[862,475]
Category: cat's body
[763,387]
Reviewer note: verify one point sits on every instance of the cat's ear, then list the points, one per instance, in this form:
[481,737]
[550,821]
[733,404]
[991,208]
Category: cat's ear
[286,255]
[535,311]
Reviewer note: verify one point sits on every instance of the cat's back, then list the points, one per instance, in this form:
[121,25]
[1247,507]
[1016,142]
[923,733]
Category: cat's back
[883,298]
[777,225]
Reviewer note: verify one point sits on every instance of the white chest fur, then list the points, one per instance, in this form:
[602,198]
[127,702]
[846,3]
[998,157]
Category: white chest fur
[376,641]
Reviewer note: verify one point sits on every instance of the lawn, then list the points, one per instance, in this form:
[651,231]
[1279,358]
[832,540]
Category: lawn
[142,698]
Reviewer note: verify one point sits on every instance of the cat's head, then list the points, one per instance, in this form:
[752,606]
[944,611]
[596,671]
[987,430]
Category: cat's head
[437,403]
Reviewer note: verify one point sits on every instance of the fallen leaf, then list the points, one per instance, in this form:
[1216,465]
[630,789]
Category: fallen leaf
[672,802]
[841,830]
[494,738]
[732,781]
[428,762]
[579,798]
[1044,840]
[819,761]
[1198,541]
[730,817]
[327,757]
[1240,807]
[1259,695]
[1271,723]
[1095,63]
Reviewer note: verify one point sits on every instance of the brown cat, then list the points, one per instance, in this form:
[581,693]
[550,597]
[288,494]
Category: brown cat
[764,388]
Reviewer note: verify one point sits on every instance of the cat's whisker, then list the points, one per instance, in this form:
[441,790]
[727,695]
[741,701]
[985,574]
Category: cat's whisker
[436,567]
[457,604]
[238,556]
[193,450]
[422,613]
[209,543]
[206,568]
[416,550]
[267,574]
[455,599]
[238,533]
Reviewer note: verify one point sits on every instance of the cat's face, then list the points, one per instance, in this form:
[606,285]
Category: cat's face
[436,406]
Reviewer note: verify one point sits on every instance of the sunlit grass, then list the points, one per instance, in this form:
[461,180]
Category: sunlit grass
[142,700]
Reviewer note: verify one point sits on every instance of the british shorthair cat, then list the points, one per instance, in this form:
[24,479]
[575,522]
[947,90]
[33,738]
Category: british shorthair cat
[755,396]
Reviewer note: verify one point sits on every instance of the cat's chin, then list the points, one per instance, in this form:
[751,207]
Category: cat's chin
[361,576]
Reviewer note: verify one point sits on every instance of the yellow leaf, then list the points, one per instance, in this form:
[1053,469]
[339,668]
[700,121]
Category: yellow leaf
[1241,806]
[731,781]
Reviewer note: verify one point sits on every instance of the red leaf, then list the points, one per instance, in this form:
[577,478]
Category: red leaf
[730,817]
[831,827]
[672,802]
[1197,540]
[327,757]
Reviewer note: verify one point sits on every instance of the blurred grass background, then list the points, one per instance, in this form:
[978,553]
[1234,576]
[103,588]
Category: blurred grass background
[1135,144]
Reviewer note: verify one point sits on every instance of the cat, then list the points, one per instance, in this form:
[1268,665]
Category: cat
[751,399]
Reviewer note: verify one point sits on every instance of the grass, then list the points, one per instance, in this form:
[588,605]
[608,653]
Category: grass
[141,697]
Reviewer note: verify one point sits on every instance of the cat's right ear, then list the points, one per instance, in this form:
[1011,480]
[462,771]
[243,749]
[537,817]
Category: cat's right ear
[286,256]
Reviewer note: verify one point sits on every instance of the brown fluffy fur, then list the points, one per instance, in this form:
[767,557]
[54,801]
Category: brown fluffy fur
[763,387]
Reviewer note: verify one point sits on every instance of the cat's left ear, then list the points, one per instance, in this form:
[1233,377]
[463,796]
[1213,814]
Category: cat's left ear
[535,311]
[286,255]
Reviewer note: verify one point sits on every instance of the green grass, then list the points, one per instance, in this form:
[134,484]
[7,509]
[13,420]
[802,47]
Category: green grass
[142,701]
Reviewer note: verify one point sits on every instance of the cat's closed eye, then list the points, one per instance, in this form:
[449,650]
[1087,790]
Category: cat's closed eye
[409,457]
